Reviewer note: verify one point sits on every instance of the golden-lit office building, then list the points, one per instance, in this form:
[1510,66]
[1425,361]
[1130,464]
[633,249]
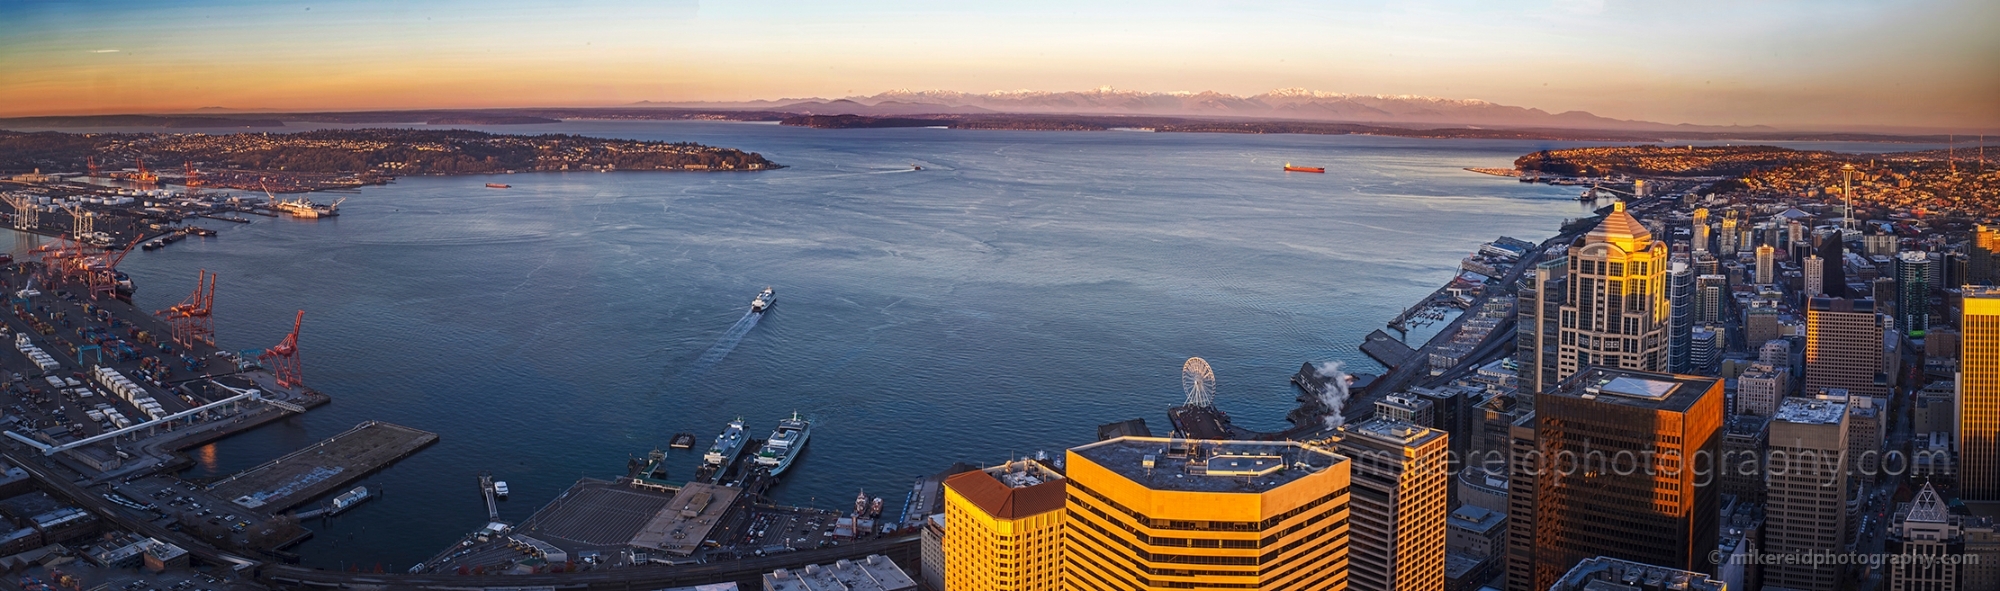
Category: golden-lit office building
[1616,313]
[1003,528]
[1979,396]
[1158,513]
[1619,472]
[1396,536]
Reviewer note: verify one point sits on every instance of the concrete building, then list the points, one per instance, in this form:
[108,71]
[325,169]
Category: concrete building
[1476,532]
[1979,396]
[1524,471]
[1611,574]
[1711,293]
[1744,440]
[1003,528]
[1760,388]
[931,548]
[1397,532]
[1616,314]
[1704,349]
[874,573]
[1588,504]
[1806,491]
[1699,225]
[1155,513]
[1408,408]
[1926,537]
[1844,346]
[1981,571]
[1983,268]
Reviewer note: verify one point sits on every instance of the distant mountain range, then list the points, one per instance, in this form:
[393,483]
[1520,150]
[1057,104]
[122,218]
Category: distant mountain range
[1289,103]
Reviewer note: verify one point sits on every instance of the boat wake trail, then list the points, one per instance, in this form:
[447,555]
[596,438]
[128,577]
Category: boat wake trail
[730,338]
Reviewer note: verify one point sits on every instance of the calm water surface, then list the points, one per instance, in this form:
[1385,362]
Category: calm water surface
[1020,290]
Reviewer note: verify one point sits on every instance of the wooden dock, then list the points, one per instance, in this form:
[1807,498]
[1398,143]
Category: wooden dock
[321,468]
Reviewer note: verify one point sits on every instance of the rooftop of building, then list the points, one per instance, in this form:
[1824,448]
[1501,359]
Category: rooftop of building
[1660,391]
[1021,488]
[1620,228]
[1810,412]
[1827,304]
[1389,432]
[1604,573]
[1200,465]
[874,573]
[1745,425]
[1475,518]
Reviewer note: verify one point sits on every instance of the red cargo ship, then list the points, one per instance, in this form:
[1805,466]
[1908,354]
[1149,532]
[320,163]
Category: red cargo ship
[1290,168]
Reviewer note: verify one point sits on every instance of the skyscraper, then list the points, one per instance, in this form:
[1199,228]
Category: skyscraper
[1539,326]
[1806,508]
[1767,264]
[1981,269]
[1591,499]
[1844,346]
[1726,243]
[1004,528]
[1815,272]
[1616,313]
[1833,271]
[1979,396]
[1913,291]
[1397,536]
[1926,536]
[1701,230]
[1149,513]
[1680,297]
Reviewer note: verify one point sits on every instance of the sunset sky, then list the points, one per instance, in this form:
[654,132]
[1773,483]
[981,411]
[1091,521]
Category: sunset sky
[1792,63]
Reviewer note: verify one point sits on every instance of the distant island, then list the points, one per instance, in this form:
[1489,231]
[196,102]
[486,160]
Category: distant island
[312,160]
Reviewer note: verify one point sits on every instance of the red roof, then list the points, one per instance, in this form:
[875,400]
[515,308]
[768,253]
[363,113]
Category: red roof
[1004,502]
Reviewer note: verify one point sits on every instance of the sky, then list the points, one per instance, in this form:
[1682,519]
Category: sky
[1821,64]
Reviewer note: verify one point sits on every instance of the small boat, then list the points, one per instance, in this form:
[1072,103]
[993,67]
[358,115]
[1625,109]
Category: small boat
[916,167]
[498,186]
[763,301]
[1290,168]
[500,489]
[682,441]
[349,499]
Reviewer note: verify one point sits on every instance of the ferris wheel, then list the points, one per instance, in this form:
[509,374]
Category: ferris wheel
[1198,380]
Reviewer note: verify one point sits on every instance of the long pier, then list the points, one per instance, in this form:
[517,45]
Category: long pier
[305,474]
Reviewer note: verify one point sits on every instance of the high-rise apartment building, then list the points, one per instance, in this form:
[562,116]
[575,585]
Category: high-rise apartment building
[1979,396]
[1539,323]
[1726,240]
[1913,291]
[1616,313]
[1004,528]
[1805,494]
[1815,275]
[1396,540]
[1844,346]
[1589,502]
[1150,513]
[1680,298]
[1711,298]
[1767,264]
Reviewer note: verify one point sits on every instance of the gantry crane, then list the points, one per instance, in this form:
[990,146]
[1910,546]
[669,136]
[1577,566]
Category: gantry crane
[284,358]
[193,318]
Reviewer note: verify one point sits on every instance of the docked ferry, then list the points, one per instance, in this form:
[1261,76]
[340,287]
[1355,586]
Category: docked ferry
[763,301]
[349,499]
[785,444]
[727,446]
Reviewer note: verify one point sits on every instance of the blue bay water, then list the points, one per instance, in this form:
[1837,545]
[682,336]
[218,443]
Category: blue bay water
[1020,290]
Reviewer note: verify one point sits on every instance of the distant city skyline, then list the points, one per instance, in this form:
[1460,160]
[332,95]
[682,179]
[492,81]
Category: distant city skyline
[1930,64]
